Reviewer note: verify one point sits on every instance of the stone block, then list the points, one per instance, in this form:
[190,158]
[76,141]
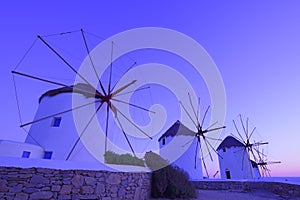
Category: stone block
[30,190]
[77,181]
[21,196]
[113,179]
[64,197]
[16,189]
[90,181]
[3,186]
[38,179]
[87,190]
[41,195]
[100,188]
[65,189]
[89,196]
[55,188]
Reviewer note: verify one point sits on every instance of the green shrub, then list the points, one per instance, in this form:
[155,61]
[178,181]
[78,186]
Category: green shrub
[169,181]
[123,159]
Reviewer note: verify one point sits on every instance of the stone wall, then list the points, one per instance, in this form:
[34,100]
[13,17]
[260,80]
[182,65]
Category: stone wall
[41,183]
[282,189]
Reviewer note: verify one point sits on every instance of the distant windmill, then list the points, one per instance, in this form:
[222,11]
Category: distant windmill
[201,133]
[249,147]
[263,162]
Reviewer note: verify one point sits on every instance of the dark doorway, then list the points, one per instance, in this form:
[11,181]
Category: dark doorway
[228,174]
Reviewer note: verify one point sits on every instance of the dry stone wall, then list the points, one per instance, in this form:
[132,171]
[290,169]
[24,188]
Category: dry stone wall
[41,183]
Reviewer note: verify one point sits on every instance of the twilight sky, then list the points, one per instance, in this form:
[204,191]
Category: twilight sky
[255,45]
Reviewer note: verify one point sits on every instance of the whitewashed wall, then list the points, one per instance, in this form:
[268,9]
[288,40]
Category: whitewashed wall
[60,139]
[16,149]
[175,146]
[233,161]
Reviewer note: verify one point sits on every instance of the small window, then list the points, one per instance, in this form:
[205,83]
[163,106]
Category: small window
[56,122]
[48,155]
[163,141]
[25,154]
[224,150]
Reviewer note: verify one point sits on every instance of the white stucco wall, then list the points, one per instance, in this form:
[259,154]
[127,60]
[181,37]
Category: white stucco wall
[60,139]
[182,155]
[233,161]
[16,149]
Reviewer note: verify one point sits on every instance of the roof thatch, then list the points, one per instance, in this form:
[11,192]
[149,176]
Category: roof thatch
[230,141]
[81,88]
[177,129]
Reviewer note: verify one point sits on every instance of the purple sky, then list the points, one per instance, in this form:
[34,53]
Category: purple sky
[255,45]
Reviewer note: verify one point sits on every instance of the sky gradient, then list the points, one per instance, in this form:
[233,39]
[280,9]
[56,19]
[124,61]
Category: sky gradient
[255,45]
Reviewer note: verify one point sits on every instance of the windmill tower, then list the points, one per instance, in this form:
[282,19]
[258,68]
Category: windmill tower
[234,162]
[53,128]
[173,141]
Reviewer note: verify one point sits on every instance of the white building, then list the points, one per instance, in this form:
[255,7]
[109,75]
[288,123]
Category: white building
[57,135]
[173,147]
[20,150]
[234,160]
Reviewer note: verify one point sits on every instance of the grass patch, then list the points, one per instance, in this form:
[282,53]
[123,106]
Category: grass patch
[122,159]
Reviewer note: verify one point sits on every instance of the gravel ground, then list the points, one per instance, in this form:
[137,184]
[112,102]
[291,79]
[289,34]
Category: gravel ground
[237,195]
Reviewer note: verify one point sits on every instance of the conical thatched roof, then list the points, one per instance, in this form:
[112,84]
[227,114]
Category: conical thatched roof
[177,129]
[81,88]
[230,141]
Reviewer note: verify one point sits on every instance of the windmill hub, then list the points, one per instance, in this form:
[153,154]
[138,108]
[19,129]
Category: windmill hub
[106,98]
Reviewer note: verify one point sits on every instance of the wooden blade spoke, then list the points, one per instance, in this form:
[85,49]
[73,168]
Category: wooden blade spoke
[83,131]
[110,68]
[252,132]
[237,130]
[203,161]
[198,109]
[237,138]
[196,152]
[40,79]
[133,124]
[243,126]
[127,140]
[124,73]
[133,105]
[204,115]
[123,88]
[244,152]
[194,111]
[132,91]
[247,127]
[188,114]
[273,162]
[91,60]
[106,126]
[64,60]
[213,148]
[59,113]
[214,129]
[207,147]
[259,143]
